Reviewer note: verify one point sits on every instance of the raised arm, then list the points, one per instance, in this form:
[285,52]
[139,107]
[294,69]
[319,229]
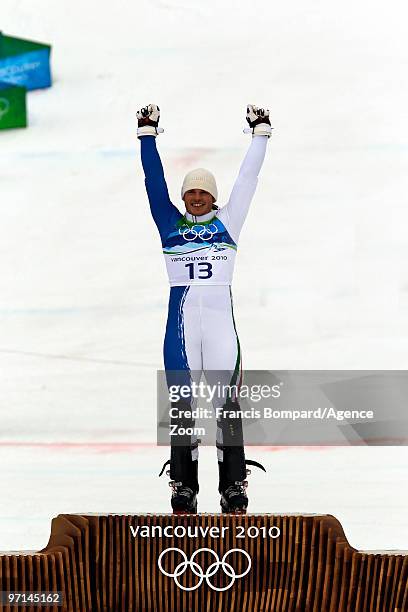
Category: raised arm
[234,213]
[163,211]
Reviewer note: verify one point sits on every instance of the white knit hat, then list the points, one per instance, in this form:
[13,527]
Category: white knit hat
[200,178]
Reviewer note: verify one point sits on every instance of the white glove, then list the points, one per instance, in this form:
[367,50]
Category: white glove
[148,121]
[258,119]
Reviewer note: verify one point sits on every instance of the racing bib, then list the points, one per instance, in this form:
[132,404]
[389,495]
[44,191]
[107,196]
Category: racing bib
[199,254]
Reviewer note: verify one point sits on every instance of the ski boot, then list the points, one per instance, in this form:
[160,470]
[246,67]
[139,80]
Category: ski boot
[233,496]
[183,497]
[234,499]
[183,463]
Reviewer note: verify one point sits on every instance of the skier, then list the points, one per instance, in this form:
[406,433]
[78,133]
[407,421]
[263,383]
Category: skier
[199,247]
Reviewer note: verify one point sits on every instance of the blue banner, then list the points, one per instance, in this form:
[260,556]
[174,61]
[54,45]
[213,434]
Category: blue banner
[30,70]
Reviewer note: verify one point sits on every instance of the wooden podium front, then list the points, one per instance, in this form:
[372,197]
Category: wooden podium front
[206,563]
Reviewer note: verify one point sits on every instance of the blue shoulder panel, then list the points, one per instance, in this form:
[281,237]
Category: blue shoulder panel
[186,238]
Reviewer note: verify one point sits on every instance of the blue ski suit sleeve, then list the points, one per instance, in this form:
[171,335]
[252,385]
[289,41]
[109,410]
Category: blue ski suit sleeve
[164,213]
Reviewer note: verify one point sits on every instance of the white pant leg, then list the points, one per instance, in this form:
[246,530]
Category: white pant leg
[220,344]
[193,345]
[221,349]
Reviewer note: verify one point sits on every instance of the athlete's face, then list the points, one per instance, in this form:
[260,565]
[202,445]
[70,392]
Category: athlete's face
[198,202]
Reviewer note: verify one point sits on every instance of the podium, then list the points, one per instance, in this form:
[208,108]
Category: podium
[206,562]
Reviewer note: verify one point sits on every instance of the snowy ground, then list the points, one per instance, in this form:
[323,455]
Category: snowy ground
[84,292]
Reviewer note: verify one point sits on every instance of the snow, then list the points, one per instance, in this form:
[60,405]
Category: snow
[84,292]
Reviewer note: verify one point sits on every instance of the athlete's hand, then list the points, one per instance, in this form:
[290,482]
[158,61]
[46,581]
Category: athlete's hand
[258,119]
[148,121]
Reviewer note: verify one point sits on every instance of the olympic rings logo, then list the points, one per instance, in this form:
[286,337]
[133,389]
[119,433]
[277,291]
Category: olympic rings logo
[198,571]
[191,233]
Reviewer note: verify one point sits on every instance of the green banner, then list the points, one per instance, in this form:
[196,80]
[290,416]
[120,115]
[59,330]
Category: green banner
[13,111]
